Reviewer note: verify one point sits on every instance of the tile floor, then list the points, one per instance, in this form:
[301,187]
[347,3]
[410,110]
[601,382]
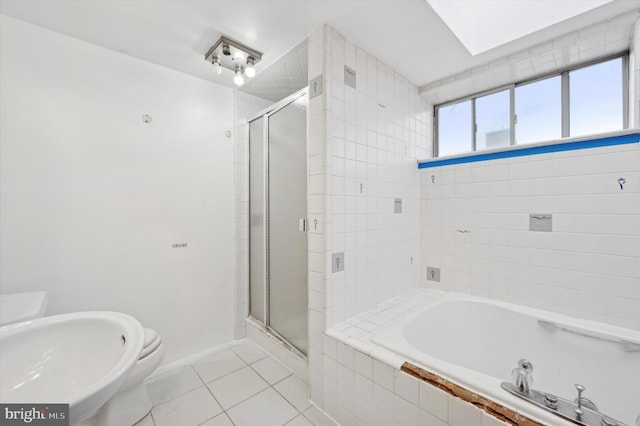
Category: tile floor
[242,386]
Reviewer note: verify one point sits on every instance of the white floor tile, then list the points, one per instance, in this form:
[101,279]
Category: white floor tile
[267,408]
[295,391]
[190,409]
[300,421]
[235,387]
[271,370]
[250,352]
[171,384]
[219,420]
[317,417]
[217,365]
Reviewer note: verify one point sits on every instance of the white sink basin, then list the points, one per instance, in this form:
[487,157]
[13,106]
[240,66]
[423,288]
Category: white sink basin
[80,359]
[15,307]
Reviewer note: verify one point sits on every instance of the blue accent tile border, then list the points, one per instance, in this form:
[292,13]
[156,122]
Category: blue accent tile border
[534,150]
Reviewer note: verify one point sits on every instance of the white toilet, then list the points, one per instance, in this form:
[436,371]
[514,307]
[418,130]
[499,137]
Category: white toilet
[132,403]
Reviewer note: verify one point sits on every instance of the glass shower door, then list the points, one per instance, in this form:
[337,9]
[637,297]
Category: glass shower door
[256,220]
[287,259]
[277,215]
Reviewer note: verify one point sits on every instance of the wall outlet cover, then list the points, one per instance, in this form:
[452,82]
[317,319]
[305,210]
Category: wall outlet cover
[349,77]
[433,274]
[315,87]
[397,205]
[337,262]
[541,222]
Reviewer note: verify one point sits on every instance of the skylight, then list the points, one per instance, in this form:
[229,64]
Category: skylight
[485,24]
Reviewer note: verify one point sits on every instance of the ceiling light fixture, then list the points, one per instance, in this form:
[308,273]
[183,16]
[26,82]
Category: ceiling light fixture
[228,53]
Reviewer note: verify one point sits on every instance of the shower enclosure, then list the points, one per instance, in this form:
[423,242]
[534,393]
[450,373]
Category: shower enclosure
[278,215]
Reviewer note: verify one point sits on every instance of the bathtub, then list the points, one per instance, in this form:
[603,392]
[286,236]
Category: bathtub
[476,343]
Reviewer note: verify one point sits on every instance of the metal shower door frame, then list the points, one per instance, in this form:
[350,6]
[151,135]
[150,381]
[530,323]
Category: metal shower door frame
[266,114]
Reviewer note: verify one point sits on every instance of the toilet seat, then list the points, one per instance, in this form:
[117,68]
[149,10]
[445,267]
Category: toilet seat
[151,342]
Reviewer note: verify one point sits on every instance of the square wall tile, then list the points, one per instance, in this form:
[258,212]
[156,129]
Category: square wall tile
[462,413]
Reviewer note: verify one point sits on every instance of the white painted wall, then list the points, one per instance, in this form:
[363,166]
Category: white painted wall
[92,198]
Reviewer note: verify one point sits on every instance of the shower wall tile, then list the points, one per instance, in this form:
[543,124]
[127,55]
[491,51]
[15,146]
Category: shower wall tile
[374,135]
[363,147]
[475,227]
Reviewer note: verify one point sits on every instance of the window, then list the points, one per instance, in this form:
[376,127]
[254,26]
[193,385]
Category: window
[454,128]
[596,101]
[536,103]
[576,102]
[492,121]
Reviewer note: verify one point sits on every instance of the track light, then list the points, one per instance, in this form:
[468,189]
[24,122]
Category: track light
[230,54]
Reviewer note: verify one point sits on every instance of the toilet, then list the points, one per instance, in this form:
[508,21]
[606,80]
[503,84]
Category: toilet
[132,403]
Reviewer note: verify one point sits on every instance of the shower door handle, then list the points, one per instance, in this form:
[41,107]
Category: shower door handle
[302,225]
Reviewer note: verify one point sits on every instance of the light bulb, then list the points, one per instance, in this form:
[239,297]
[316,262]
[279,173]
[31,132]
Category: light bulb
[250,70]
[216,67]
[238,57]
[238,79]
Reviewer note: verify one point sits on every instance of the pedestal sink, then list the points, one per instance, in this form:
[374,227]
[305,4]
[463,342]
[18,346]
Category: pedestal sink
[79,358]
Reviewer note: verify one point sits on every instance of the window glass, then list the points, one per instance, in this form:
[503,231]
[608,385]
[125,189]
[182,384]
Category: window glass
[492,120]
[595,94]
[539,111]
[454,129]
[592,95]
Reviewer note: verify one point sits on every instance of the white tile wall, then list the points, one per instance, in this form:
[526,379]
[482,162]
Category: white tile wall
[373,135]
[373,393]
[588,267]
[363,146]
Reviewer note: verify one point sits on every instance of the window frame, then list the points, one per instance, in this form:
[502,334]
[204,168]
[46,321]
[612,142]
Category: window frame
[565,94]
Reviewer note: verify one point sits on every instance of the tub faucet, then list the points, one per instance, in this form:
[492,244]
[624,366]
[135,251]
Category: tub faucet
[522,378]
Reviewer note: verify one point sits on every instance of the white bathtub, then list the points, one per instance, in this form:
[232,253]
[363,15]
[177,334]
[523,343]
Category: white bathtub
[476,343]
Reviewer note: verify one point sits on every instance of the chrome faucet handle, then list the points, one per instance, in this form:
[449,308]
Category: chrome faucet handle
[526,365]
[522,380]
[578,410]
